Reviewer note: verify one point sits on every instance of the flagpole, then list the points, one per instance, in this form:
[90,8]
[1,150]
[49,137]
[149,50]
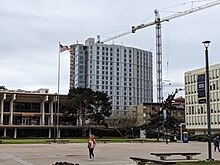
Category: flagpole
[58,93]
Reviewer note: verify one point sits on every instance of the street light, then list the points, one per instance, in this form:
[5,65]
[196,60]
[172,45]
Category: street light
[206,44]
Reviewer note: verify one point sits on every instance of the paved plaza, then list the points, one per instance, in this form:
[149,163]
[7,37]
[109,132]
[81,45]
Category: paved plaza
[106,154]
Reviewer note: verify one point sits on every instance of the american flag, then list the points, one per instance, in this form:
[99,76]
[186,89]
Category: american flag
[63,48]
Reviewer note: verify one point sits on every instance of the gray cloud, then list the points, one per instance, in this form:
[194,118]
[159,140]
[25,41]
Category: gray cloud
[31,30]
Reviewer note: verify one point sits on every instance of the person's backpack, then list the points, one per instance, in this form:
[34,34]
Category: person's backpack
[216,142]
[89,145]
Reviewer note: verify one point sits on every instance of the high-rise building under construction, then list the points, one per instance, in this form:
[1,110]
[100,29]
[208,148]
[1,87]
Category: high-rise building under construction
[124,73]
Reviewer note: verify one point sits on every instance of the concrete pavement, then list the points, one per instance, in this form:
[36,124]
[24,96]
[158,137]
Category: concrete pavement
[105,154]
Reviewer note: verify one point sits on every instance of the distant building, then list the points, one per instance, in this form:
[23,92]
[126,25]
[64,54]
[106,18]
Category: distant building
[143,112]
[124,73]
[179,111]
[196,114]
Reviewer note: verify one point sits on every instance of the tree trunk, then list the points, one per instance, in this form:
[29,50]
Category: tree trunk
[119,132]
[158,134]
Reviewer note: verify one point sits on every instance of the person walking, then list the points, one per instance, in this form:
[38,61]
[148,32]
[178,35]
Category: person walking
[216,142]
[91,146]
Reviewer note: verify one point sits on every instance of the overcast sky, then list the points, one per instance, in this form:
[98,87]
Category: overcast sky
[31,29]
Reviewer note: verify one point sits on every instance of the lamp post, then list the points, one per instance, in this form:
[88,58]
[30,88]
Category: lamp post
[206,44]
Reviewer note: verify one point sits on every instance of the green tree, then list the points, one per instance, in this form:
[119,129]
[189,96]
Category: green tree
[156,122]
[122,123]
[171,124]
[3,87]
[87,105]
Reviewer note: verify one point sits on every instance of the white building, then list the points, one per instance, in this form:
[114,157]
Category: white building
[124,73]
[196,114]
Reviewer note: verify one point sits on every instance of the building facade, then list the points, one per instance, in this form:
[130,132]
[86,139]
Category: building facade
[179,109]
[195,112]
[30,113]
[143,112]
[124,73]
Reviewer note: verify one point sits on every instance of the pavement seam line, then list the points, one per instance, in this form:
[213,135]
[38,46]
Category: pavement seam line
[17,159]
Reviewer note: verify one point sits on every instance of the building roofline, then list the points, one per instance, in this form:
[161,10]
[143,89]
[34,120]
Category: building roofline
[198,69]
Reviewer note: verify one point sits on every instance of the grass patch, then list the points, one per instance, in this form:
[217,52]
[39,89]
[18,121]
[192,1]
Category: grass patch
[24,141]
[123,140]
[76,140]
[41,141]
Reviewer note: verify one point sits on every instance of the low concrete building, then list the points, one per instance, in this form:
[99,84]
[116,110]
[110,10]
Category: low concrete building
[29,113]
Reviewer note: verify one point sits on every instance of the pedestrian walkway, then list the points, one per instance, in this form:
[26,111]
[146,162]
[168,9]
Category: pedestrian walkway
[105,153]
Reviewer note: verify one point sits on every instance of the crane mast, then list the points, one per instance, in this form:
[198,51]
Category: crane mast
[159,57]
[158,22]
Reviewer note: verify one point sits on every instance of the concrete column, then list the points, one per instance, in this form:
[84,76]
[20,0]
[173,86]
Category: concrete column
[42,113]
[43,110]
[49,136]
[15,133]
[11,108]
[5,133]
[2,109]
[51,112]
